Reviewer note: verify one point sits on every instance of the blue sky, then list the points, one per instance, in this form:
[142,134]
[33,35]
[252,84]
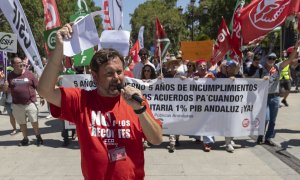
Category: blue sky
[130,5]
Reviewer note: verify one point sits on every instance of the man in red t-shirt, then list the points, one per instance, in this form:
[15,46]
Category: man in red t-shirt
[110,124]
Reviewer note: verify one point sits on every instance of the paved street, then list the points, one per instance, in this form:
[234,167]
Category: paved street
[189,161]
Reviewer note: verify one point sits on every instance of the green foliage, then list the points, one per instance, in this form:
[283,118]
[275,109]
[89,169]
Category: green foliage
[168,15]
[209,23]
[34,12]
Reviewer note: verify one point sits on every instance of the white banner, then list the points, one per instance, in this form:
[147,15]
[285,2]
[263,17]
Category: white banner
[14,13]
[200,107]
[8,42]
[118,14]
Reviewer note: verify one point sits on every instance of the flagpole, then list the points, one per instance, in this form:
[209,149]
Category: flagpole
[5,63]
[160,61]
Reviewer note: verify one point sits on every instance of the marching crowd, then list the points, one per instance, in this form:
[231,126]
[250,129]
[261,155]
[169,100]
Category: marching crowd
[120,126]
[20,96]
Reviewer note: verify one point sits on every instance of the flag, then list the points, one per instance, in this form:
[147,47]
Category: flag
[52,20]
[84,58]
[16,17]
[162,43]
[134,51]
[51,14]
[141,36]
[223,43]
[236,41]
[106,21]
[118,14]
[262,16]
[81,7]
[238,6]
[298,17]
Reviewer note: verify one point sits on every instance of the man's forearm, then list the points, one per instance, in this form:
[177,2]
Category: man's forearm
[151,129]
[50,74]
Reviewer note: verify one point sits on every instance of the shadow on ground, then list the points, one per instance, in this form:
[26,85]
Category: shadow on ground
[217,146]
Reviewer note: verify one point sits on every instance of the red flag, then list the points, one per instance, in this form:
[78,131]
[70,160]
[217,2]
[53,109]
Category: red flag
[51,18]
[162,43]
[106,21]
[134,51]
[51,15]
[298,22]
[262,16]
[236,41]
[223,43]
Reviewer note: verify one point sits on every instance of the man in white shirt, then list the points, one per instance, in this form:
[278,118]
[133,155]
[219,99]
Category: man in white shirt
[144,56]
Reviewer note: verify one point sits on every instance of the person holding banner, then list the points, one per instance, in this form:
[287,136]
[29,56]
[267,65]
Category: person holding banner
[202,72]
[271,72]
[230,69]
[110,124]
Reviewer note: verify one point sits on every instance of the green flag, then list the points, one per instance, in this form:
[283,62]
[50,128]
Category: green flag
[49,37]
[85,57]
[82,7]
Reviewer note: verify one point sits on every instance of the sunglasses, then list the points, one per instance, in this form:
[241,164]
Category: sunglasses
[272,58]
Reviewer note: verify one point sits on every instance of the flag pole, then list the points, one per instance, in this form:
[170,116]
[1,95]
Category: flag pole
[160,61]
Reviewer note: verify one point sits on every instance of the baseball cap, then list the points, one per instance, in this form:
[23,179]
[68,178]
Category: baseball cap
[231,63]
[290,49]
[272,55]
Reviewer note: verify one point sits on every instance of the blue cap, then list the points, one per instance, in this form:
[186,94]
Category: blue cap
[231,63]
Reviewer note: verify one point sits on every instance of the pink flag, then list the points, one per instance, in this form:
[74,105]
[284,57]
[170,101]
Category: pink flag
[223,43]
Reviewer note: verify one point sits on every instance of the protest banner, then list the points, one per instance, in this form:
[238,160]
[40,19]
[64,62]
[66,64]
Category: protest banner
[200,107]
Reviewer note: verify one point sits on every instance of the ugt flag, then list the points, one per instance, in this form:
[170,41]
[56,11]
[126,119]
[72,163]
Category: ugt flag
[262,16]
[222,44]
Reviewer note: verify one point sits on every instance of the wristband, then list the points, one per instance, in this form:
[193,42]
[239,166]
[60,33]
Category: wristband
[140,111]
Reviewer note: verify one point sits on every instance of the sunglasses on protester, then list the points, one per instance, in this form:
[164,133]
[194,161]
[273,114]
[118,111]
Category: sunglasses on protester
[271,58]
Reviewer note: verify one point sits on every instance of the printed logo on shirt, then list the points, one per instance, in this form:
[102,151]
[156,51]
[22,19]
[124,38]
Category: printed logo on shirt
[108,128]
[17,82]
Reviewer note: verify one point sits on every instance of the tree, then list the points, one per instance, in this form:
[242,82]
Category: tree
[207,25]
[145,15]
[34,12]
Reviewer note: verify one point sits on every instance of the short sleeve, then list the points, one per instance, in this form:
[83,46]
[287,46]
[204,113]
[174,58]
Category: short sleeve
[70,105]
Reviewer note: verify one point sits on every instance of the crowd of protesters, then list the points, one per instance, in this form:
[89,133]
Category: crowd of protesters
[282,73]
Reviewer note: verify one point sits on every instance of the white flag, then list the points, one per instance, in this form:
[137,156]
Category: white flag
[15,15]
[141,37]
[118,14]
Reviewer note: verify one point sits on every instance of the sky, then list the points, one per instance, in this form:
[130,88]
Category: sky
[130,5]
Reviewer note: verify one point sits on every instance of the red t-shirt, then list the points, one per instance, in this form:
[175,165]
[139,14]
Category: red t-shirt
[101,123]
